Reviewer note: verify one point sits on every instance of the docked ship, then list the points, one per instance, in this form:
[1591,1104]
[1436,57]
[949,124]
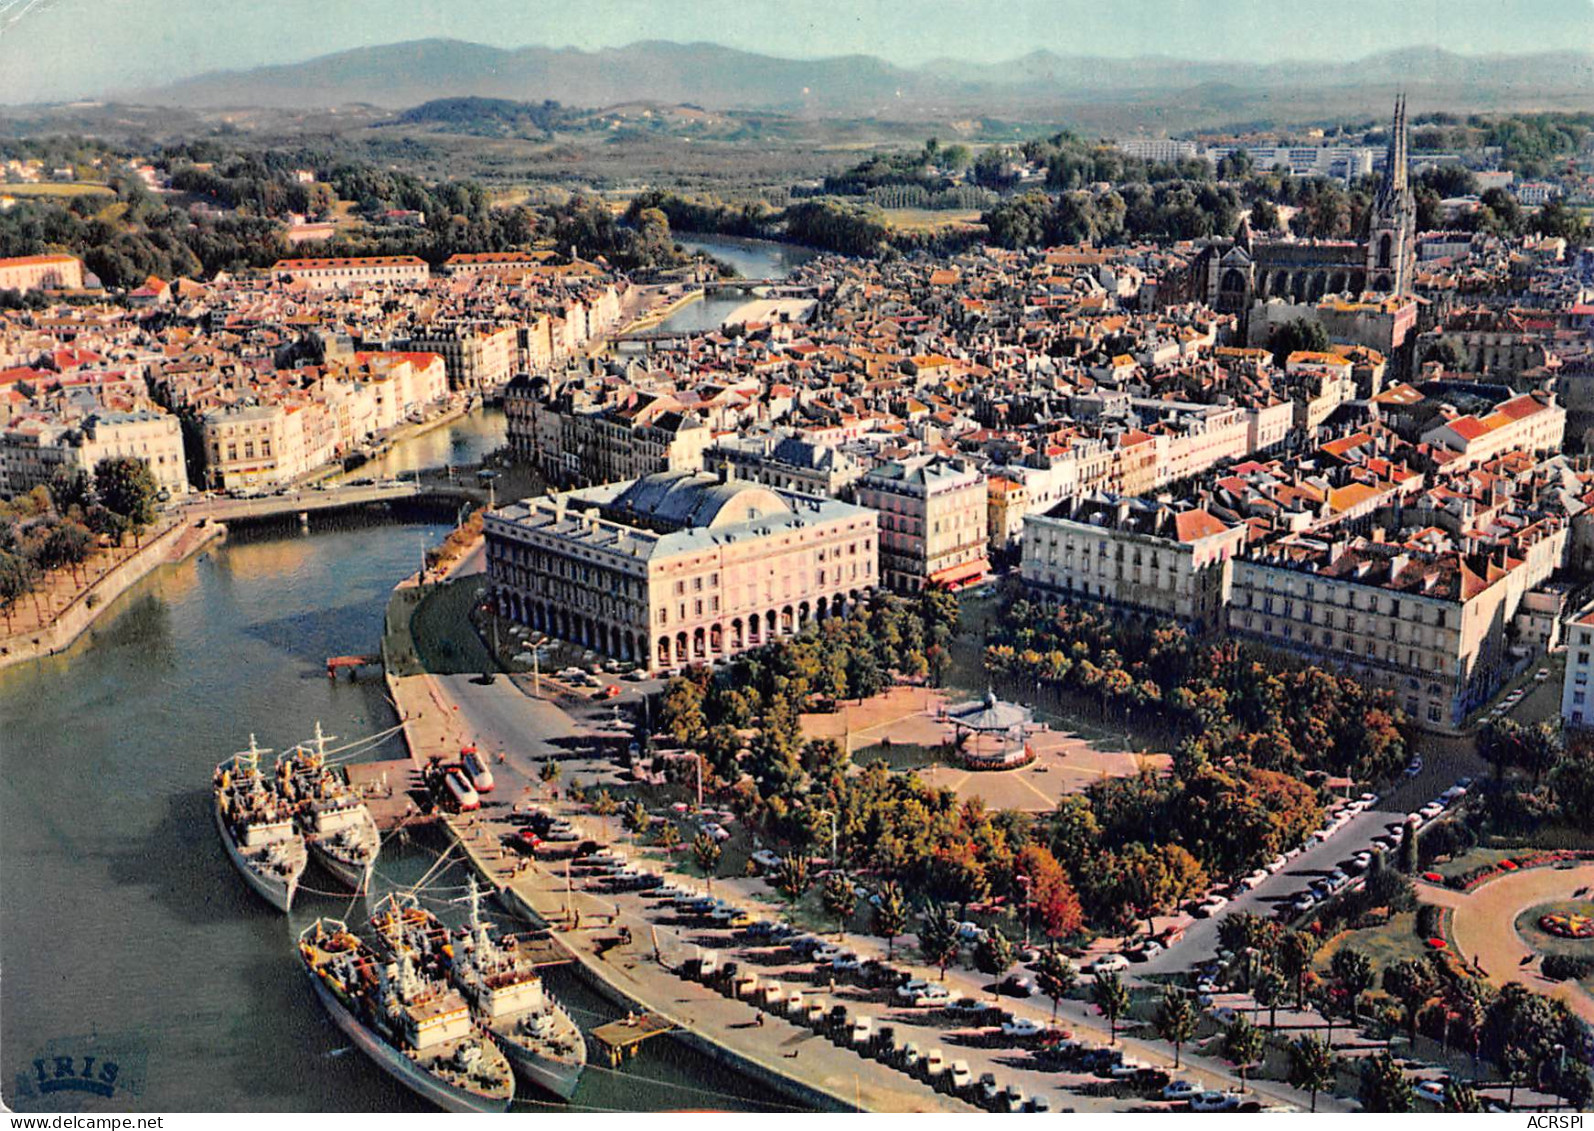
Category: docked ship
[507,991]
[416,1027]
[341,833]
[257,828]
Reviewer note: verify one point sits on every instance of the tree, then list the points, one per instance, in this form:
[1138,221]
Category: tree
[839,899]
[706,851]
[938,937]
[1311,1066]
[605,806]
[890,915]
[1407,858]
[636,818]
[1296,951]
[1412,983]
[1354,973]
[668,836]
[1518,1065]
[548,774]
[791,878]
[1460,1098]
[1108,994]
[127,487]
[1176,1020]
[1269,991]
[994,955]
[1242,1046]
[682,711]
[1056,976]
[1384,1086]
[68,545]
[1051,897]
[1295,335]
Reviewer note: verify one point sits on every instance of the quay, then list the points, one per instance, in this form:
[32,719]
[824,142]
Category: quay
[624,956]
[392,791]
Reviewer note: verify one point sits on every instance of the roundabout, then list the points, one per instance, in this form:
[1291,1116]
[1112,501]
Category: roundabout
[1497,927]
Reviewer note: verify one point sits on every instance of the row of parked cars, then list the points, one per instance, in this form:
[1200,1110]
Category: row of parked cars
[858,1032]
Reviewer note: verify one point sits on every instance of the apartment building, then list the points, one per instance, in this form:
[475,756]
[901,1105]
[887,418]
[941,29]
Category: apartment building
[1577,696]
[1425,620]
[933,524]
[247,448]
[1135,555]
[1533,422]
[678,567]
[33,452]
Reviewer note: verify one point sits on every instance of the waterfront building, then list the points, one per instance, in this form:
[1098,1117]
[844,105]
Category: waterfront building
[678,567]
[246,448]
[478,359]
[933,524]
[33,452]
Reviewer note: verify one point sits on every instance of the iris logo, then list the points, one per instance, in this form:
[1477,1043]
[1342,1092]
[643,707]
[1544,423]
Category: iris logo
[65,1071]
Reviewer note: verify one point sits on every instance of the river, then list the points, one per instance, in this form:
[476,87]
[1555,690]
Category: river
[753,259]
[124,931]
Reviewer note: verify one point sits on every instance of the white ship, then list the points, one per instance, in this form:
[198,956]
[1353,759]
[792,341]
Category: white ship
[341,832]
[257,828]
[506,989]
[416,1028]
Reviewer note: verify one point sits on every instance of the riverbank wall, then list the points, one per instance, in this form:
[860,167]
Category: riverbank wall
[171,546]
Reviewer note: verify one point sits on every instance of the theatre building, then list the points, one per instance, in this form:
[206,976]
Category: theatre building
[678,567]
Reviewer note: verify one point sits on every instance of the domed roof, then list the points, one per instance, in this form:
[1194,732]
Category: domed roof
[682,499]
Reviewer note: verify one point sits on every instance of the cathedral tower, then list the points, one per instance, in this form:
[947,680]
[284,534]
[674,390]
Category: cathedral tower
[1392,223]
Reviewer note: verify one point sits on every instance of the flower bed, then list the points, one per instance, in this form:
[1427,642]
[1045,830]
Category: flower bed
[1475,877]
[1564,926]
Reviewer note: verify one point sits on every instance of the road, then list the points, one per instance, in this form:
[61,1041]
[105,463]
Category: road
[292,502]
[1200,940]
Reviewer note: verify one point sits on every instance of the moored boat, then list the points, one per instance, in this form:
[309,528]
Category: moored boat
[340,830]
[257,828]
[413,1026]
[509,996]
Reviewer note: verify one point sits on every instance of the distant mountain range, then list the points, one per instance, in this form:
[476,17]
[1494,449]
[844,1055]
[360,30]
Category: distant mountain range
[1038,86]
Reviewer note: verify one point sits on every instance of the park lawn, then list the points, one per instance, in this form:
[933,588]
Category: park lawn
[57,188]
[1472,858]
[1384,946]
[445,640]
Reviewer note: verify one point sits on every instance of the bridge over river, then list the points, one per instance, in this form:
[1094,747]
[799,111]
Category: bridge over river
[310,500]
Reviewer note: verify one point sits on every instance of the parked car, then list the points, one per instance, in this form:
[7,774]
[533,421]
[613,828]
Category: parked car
[960,1080]
[1020,1028]
[1431,1090]
[1214,1101]
[1016,986]
[1108,964]
[1180,1091]
[1210,906]
[861,1032]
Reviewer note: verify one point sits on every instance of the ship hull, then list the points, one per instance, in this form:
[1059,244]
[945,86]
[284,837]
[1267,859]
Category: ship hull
[557,1076]
[399,1066]
[352,876]
[278,893]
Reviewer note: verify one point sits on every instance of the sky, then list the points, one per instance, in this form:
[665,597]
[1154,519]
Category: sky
[53,50]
